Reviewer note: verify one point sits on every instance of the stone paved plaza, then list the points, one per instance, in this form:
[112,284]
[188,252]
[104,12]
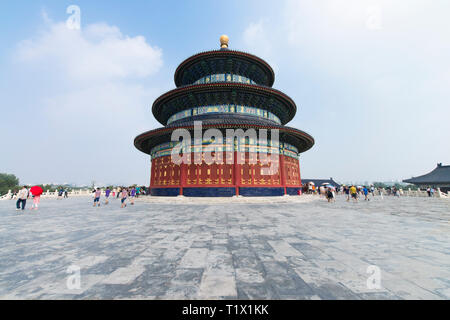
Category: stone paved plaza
[278,248]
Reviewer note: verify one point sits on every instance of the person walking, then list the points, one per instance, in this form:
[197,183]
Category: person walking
[107,194]
[66,194]
[347,192]
[60,194]
[354,193]
[322,191]
[36,193]
[329,195]
[138,191]
[124,195]
[36,200]
[366,193]
[132,195]
[97,195]
[22,198]
[380,192]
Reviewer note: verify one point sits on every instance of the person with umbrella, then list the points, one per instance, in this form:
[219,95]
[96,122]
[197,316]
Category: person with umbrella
[36,191]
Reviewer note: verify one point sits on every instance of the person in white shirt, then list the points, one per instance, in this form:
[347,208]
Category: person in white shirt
[22,198]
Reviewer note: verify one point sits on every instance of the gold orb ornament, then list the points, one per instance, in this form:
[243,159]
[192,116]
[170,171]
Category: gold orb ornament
[224,41]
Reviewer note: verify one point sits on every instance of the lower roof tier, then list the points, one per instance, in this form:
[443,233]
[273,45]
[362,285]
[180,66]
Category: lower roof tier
[192,96]
[302,141]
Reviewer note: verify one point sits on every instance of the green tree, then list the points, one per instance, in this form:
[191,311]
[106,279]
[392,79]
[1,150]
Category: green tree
[8,182]
[380,185]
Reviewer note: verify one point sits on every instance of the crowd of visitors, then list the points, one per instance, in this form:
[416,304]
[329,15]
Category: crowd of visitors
[353,192]
[129,194]
[431,191]
[123,193]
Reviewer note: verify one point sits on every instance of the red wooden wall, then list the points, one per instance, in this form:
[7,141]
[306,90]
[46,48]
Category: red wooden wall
[166,174]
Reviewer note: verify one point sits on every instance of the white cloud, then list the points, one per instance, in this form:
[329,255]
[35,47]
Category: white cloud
[86,94]
[373,72]
[98,51]
[254,35]
[257,40]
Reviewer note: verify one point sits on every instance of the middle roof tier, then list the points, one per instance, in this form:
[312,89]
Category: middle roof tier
[224,93]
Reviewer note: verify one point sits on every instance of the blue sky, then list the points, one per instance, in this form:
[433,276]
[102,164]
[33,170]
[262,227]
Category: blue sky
[370,79]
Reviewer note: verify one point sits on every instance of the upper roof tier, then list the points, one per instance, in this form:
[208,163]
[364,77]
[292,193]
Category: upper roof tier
[224,62]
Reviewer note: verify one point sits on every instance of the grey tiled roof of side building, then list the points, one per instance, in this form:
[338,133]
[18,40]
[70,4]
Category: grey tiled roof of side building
[319,182]
[440,174]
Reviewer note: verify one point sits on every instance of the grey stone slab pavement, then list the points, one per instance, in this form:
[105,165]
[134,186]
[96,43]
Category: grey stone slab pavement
[279,248]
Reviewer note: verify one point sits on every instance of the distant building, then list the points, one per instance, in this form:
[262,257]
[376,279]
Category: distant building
[319,182]
[438,178]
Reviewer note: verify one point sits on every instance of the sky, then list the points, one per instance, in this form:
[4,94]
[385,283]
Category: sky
[371,80]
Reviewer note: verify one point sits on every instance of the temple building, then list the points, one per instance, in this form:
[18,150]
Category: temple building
[321,182]
[225,89]
[438,178]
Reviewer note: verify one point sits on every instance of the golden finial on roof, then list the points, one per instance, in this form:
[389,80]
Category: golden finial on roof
[224,41]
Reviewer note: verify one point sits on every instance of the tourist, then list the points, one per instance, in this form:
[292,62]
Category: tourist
[138,191]
[431,192]
[380,191]
[354,193]
[329,195]
[366,193]
[132,195]
[372,191]
[394,191]
[321,191]
[119,192]
[22,198]
[107,193]
[36,200]
[66,194]
[97,195]
[124,195]
[60,194]
[347,192]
